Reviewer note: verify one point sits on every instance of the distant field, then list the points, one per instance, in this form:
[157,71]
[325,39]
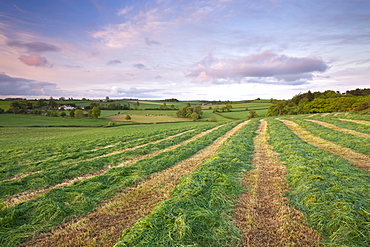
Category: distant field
[149,118]
[32,120]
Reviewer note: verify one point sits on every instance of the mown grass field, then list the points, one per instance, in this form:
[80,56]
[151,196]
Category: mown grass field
[186,183]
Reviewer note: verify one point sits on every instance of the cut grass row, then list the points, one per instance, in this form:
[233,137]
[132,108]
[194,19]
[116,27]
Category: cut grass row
[32,152]
[345,124]
[79,153]
[359,144]
[198,212]
[57,174]
[263,214]
[42,213]
[356,159]
[103,227]
[334,195]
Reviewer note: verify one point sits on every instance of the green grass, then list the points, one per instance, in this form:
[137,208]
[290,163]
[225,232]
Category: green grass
[42,213]
[359,144]
[4,104]
[333,195]
[345,124]
[22,120]
[198,212]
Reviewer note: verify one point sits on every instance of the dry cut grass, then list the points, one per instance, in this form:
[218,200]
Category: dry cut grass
[103,227]
[334,127]
[356,121]
[361,161]
[28,195]
[263,214]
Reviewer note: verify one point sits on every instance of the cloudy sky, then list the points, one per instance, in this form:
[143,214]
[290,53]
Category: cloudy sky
[184,49]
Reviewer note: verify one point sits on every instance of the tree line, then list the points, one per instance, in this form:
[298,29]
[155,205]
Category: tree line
[322,102]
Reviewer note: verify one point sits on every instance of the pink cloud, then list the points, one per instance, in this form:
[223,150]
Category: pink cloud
[35,60]
[265,64]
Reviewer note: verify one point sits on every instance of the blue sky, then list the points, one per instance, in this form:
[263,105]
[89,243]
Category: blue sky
[211,50]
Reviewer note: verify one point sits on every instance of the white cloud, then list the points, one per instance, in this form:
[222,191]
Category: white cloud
[264,65]
[125,10]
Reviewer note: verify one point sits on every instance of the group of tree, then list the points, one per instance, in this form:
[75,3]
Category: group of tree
[227,107]
[188,111]
[110,106]
[317,102]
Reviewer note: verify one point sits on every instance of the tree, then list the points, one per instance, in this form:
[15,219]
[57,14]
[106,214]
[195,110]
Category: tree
[14,107]
[128,118]
[52,103]
[95,112]
[40,103]
[213,119]
[79,113]
[194,116]
[253,114]
[228,107]
[72,113]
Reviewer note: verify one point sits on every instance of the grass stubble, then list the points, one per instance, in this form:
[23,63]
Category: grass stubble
[361,161]
[262,213]
[104,226]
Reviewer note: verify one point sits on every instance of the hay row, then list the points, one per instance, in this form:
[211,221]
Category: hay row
[104,226]
[358,160]
[263,214]
[29,195]
[334,127]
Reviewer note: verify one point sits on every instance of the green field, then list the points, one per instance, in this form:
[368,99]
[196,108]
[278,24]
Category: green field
[31,120]
[53,179]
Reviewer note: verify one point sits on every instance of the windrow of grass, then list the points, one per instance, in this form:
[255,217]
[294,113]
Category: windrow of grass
[351,116]
[32,217]
[80,152]
[47,144]
[58,174]
[359,144]
[199,210]
[345,124]
[334,195]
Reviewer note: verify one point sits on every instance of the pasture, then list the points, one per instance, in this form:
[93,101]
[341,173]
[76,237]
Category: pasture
[188,183]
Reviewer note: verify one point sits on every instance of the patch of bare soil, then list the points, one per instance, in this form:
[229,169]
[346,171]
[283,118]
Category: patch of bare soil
[334,127]
[104,226]
[361,161]
[356,121]
[262,214]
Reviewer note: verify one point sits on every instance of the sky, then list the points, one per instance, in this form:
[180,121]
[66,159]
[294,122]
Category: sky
[184,49]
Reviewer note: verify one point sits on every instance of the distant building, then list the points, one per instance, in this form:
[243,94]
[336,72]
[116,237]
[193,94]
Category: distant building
[66,107]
